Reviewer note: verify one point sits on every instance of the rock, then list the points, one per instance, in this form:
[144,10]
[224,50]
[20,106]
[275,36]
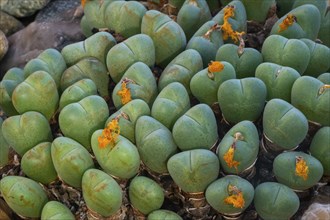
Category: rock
[55,27]
[3,45]
[317,211]
[9,24]
[22,8]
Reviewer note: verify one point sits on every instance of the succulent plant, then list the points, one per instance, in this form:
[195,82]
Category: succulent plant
[192,15]
[301,22]
[275,201]
[101,192]
[125,18]
[70,160]
[54,210]
[244,60]
[86,29]
[90,68]
[286,52]
[319,62]
[311,97]
[77,91]
[145,194]
[80,119]
[128,115]
[168,37]
[138,82]
[319,148]
[324,77]
[204,85]
[194,170]
[196,129]
[323,34]
[39,156]
[242,99]
[119,158]
[297,170]
[170,104]
[238,149]
[138,48]
[4,148]
[283,124]
[155,143]
[257,10]
[37,92]
[23,132]
[163,214]
[181,69]
[230,194]
[11,79]
[24,196]
[96,46]
[278,80]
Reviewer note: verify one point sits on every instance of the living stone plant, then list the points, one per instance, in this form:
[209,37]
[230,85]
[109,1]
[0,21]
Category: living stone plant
[172,109]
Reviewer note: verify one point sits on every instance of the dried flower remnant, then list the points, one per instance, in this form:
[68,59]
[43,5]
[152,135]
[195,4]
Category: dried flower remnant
[109,134]
[214,66]
[235,197]
[302,169]
[288,21]
[323,88]
[227,30]
[124,92]
[215,27]
[229,155]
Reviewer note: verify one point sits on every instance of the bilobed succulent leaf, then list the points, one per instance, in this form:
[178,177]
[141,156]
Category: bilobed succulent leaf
[70,160]
[275,201]
[194,170]
[6,90]
[101,192]
[23,132]
[37,92]
[170,104]
[80,119]
[196,129]
[145,194]
[155,143]
[283,124]
[24,196]
[163,214]
[324,77]
[54,210]
[4,148]
[257,10]
[15,74]
[278,80]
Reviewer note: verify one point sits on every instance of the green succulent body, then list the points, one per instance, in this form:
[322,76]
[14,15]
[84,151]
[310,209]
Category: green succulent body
[283,124]
[242,99]
[121,160]
[168,37]
[324,77]
[257,10]
[40,157]
[278,80]
[181,69]
[70,160]
[54,210]
[101,192]
[4,148]
[37,92]
[145,194]
[155,143]
[138,48]
[24,196]
[80,119]
[134,110]
[163,214]
[320,146]
[217,192]
[194,170]
[246,147]
[23,132]
[196,129]
[244,63]
[311,97]
[205,86]
[275,201]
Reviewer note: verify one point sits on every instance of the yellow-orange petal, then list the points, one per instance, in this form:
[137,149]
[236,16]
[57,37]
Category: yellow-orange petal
[302,169]
[229,158]
[124,93]
[215,66]
[236,199]
[83,2]
[288,21]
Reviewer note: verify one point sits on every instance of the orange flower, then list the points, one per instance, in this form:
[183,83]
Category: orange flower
[302,169]
[227,30]
[124,93]
[288,21]
[83,2]
[235,197]
[215,66]
[229,157]
[109,134]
